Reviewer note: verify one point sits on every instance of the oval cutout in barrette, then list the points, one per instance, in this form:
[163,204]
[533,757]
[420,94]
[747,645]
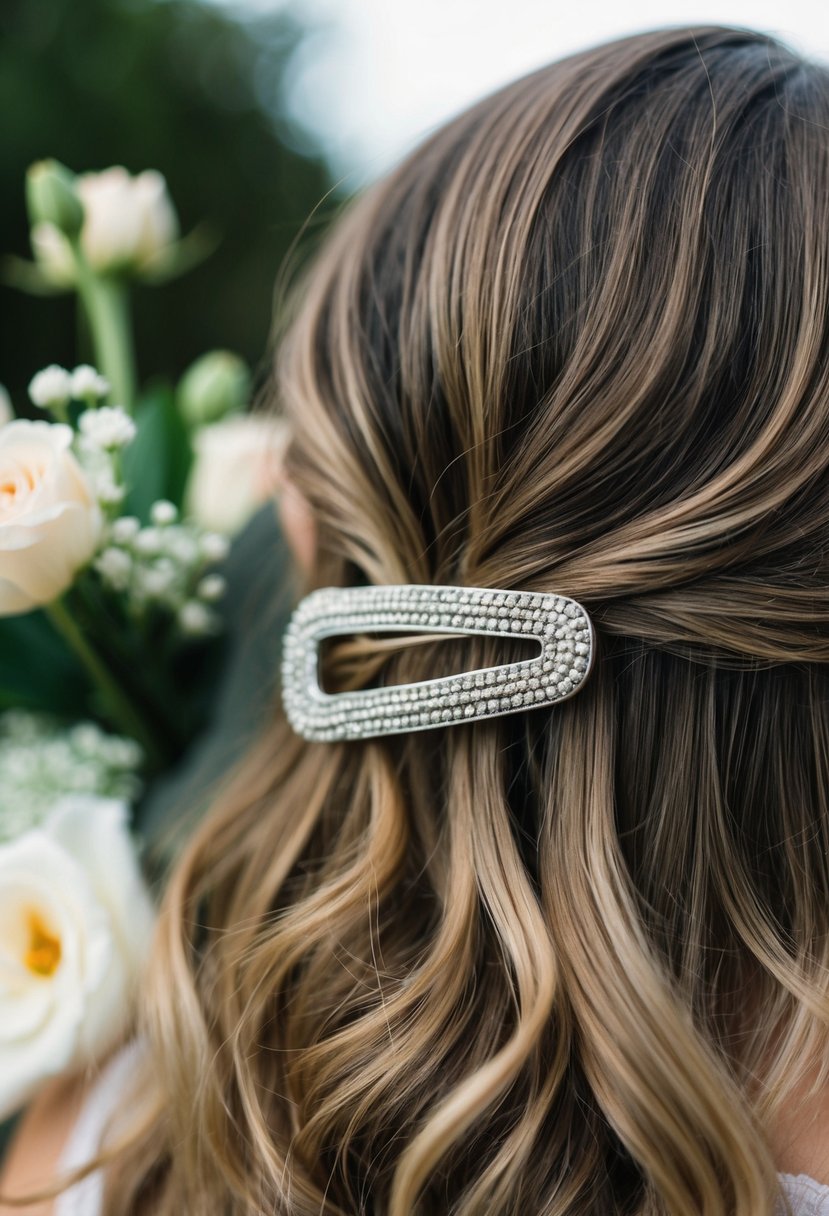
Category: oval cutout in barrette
[561,626]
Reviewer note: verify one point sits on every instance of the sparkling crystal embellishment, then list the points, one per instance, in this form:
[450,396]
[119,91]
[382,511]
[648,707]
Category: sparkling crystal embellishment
[561,627]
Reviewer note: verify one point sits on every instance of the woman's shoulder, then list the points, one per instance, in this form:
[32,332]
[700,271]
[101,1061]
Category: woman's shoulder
[63,1130]
[39,1142]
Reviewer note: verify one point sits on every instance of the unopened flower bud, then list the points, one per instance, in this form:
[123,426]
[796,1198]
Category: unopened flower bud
[215,385]
[52,199]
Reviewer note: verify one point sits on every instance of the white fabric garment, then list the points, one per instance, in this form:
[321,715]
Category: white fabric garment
[102,1102]
[808,1197]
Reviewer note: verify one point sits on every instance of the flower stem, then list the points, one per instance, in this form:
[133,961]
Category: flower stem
[121,711]
[105,301]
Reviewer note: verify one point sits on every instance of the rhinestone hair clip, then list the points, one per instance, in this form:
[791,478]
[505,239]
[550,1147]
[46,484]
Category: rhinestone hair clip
[561,627]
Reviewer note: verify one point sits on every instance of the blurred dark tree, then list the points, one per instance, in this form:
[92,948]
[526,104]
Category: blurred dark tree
[178,86]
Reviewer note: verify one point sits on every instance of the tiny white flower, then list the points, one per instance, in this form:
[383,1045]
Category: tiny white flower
[155,584]
[87,737]
[211,588]
[163,513]
[195,619]
[215,547]
[124,529]
[21,726]
[122,753]
[182,546]
[149,542]
[6,409]
[20,766]
[109,427]
[51,386]
[114,567]
[107,490]
[88,383]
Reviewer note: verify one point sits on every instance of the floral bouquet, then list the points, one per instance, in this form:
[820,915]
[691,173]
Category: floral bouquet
[120,596]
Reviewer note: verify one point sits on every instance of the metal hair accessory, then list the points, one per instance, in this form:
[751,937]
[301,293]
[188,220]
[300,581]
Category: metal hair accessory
[561,627]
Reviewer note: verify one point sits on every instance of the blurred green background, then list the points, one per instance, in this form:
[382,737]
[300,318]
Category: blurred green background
[195,91]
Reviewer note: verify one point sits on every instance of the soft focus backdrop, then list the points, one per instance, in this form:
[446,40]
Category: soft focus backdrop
[173,85]
[376,74]
[264,115]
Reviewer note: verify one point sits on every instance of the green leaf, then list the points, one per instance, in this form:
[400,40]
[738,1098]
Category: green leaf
[29,277]
[157,462]
[239,696]
[37,670]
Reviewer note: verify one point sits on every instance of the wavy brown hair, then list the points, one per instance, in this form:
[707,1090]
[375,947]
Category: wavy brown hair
[570,961]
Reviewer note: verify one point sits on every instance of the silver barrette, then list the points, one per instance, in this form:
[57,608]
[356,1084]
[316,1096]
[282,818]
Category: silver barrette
[561,627]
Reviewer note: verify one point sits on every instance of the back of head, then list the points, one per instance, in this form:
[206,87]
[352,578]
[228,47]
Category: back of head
[570,961]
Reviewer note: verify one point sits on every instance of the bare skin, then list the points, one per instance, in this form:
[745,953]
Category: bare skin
[800,1139]
[35,1150]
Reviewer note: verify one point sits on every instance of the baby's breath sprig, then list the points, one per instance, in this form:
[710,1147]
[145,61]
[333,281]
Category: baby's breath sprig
[41,759]
[164,565]
[102,434]
[53,387]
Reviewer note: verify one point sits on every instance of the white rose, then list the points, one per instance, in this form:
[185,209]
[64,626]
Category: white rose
[236,468]
[129,224]
[50,522]
[75,924]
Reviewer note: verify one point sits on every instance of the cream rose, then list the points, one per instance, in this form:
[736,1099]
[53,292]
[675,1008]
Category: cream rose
[236,468]
[75,924]
[50,521]
[129,224]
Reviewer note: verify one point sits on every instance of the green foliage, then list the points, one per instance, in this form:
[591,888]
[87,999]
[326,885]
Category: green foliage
[158,460]
[177,86]
[37,671]
[240,689]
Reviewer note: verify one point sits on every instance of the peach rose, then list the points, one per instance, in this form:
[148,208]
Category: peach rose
[50,521]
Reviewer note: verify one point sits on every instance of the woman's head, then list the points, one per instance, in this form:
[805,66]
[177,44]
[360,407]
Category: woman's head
[570,961]
[577,340]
